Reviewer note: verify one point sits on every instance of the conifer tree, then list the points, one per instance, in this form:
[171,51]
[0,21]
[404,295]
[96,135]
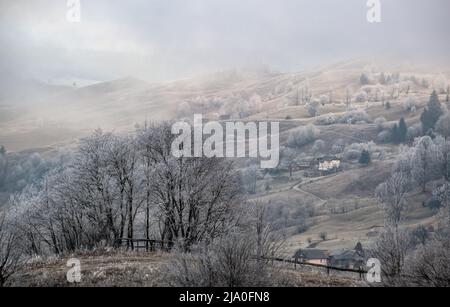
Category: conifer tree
[432,113]
[402,131]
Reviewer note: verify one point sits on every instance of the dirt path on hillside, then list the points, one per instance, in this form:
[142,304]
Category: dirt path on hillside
[298,187]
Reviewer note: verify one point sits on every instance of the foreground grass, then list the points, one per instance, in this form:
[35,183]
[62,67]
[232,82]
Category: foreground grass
[129,269]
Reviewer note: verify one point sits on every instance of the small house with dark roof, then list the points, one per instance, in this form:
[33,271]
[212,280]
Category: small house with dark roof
[348,259]
[313,256]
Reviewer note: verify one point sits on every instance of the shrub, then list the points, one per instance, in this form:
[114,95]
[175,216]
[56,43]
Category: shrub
[303,136]
[419,236]
[354,151]
[319,146]
[365,157]
[338,147]
[230,262]
[409,104]
[351,155]
[414,131]
[433,204]
[353,117]
[313,108]
[362,97]
[384,136]
[380,122]
[364,79]
[326,120]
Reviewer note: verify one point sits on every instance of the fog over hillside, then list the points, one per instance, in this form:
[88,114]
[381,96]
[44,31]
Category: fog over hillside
[163,40]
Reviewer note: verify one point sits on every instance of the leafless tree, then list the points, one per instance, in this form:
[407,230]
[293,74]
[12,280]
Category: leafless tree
[98,197]
[249,177]
[11,258]
[313,108]
[303,136]
[426,161]
[430,265]
[194,195]
[392,194]
[122,163]
[348,98]
[268,244]
[391,249]
[443,125]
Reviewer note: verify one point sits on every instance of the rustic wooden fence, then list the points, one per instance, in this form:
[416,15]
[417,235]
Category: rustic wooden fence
[144,244]
[361,272]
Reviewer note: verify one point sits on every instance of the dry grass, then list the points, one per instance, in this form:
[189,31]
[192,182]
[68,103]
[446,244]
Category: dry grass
[124,269]
[99,269]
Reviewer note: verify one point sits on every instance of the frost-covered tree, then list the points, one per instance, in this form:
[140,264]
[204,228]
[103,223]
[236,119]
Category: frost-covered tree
[429,265]
[392,195]
[380,122]
[409,104]
[440,84]
[393,243]
[305,92]
[250,178]
[313,108]
[11,254]
[348,97]
[194,196]
[268,181]
[338,146]
[303,136]
[382,79]
[426,161]
[391,249]
[443,125]
[324,99]
[414,131]
[113,181]
[319,147]
[361,97]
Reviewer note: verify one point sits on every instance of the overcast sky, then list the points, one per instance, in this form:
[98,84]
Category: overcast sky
[170,39]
